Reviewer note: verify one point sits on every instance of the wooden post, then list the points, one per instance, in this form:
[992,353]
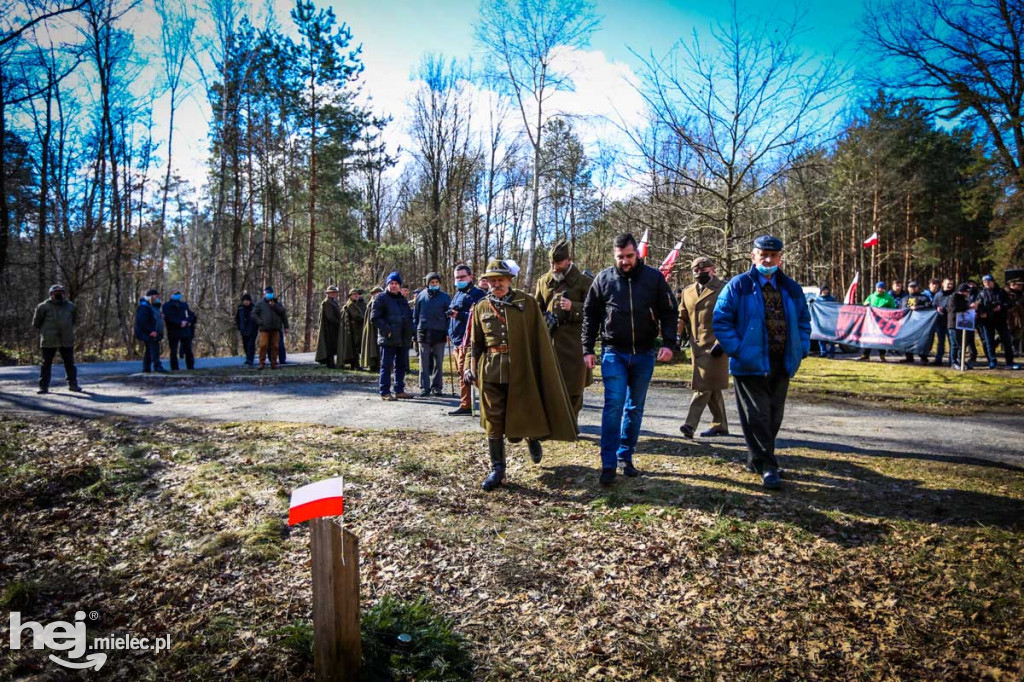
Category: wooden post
[963,349]
[337,645]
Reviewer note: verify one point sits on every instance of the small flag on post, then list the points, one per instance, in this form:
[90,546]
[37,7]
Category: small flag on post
[316,500]
[871,241]
[851,293]
[670,260]
[642,248]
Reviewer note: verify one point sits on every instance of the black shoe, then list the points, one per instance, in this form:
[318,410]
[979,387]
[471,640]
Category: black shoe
[686,430]
[424,394]
[936,363]
[771,480]
[497,475]
[75,388]
[460,412]
[536,451]
[43,390]
[161,371]
[607,476]
[628,469]
[711,433]
[437,393]
[780,472]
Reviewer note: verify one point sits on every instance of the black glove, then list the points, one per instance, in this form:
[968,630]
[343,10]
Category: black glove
[717,350]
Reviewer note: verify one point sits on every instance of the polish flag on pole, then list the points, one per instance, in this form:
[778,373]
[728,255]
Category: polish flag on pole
[670,260]
[871,241]
[641,250]
[313,501]
[851,293]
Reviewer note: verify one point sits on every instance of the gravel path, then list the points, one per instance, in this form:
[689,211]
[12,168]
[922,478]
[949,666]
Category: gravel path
[997,438]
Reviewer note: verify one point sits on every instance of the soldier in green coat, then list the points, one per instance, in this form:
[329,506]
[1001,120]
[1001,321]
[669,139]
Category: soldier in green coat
[352,318]
[328,339]
[560,294]
[370,352]
[55,319]
[522,392]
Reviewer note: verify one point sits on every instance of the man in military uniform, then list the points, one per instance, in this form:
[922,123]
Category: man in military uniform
[710,364]
[370,352]
[560,294]
[522,392]
[350,340]
[330,325]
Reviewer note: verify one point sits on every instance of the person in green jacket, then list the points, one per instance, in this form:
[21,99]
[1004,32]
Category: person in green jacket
[880,299]
[55,319]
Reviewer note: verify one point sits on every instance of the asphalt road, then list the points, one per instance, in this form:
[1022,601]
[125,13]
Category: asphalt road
[830,426]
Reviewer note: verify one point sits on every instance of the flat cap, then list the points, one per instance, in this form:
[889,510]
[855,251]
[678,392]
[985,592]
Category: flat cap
[559,251]
[55,288]
[766,242]
[152,292]
[701,262]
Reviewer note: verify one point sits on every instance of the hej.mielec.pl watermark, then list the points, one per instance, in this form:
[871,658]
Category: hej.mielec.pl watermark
[71,638]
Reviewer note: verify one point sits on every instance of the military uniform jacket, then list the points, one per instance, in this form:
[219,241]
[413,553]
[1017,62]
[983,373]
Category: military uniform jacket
[328,338]
[511,345]
[696,310]
[350,338]
[370,350]
[567,336]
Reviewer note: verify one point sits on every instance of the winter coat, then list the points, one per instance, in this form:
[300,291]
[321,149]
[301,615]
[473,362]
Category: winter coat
[56,323]
[918,301]
[696,321]
[392,317]
[329,329]
[176,312]
[566,336]
[629,310]
[369,349]
[430,316]
[942,301]
[148,320]
[350,336]
[988,301]
[739,324]
[270,315]
[246,321]
[462,303]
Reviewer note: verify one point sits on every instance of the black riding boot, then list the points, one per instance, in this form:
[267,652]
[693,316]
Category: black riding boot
[536,451]
[497,475]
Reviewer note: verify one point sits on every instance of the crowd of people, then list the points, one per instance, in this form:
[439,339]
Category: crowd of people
[999,320]
[532,355]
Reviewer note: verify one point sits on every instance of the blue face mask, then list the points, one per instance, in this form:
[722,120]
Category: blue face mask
[270,296]
[435,288]
[767,270]
[176,297]
[462,285]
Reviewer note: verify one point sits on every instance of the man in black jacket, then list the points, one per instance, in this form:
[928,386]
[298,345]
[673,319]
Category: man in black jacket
[247,328]
[993,304]
[915,299]
[392,317]
[629,304]
[941,302]
[180,330]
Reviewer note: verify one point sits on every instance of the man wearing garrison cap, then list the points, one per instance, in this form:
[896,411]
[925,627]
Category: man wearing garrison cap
[560,294]
[710,366]
[762,323]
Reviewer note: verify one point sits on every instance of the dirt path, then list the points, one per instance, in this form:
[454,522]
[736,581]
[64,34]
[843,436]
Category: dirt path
[825,426]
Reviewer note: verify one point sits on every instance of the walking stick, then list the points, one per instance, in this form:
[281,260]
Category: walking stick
[451,370]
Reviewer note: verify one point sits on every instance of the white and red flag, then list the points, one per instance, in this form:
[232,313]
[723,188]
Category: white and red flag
[313,501]
[871,241]
[670,260]
[641,249]
[851,293]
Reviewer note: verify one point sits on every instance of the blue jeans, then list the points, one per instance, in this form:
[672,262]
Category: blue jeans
[828,349]
[626,378]
[938,337]
[396,359]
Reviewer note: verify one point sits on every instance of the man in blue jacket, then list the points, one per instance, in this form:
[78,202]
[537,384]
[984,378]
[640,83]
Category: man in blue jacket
[762,323]
[149,329]
[461,306]
[430,320]
[180,330]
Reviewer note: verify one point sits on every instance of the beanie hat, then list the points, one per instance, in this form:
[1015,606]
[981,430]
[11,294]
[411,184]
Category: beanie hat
[246,297]
[393,277]
[152,292]
[268,290]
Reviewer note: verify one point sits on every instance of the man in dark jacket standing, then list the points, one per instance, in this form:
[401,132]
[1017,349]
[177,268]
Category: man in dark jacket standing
[392,317]
[247,328]
[628,305]
[941,301]
[430,320]
[762,323]
[916,300]
[993,305]
[180,330]
[149,328]
[55,318]
[329,328]
[272,320]
[466,296]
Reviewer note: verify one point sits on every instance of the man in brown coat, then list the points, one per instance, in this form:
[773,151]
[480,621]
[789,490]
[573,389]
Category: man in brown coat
[560,294]
[710,371]
[522,393]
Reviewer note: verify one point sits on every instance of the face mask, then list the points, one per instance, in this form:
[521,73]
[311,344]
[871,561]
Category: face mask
[704,277]
[270,296]
[767,270]
[58,297]
[176,297]
[435,288]
[462,285]
[156,300]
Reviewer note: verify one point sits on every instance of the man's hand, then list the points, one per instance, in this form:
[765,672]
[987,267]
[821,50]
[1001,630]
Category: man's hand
[590,361]
[184,324]
[469,376]
[717,350]
[152,335]
[565,303]
[664,354]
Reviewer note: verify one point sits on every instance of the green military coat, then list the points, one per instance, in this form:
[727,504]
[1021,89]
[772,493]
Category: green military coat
[352,318]
[538,406]
[328,338]
[695,321]
[567,337]
[370,351]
